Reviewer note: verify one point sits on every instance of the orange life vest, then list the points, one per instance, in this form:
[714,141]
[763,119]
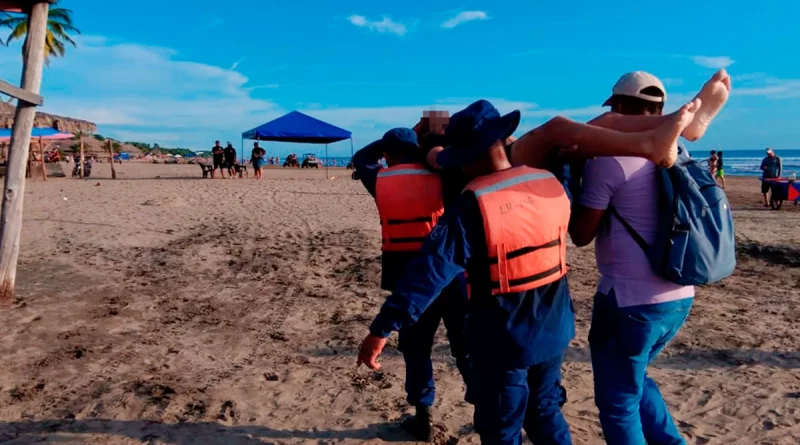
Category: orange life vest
[409,199]
[525,216]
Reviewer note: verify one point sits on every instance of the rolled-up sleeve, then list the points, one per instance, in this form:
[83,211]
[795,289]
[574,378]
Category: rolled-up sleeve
[601,178]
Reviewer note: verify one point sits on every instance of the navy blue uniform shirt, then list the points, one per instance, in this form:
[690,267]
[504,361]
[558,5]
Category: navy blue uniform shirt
[514,330]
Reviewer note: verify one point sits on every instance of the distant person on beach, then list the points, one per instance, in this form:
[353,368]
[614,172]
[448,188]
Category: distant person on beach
[771,167]
[257,159]
[719,174]
[218,159]
[409,200]
[636,312]
[508,230]
[712,162]
[229,159]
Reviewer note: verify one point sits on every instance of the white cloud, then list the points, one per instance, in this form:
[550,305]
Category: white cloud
[464,17]
[266,86]
[769,87]
[672,81]
[137,89]
[385,25]
[145,93]
[716,62]
[236,64]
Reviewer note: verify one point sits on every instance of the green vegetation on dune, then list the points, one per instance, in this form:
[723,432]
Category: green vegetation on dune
[147,148]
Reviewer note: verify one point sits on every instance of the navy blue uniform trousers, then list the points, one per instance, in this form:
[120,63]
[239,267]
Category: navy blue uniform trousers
[416,343]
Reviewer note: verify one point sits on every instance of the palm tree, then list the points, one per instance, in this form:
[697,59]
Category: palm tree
[59,24]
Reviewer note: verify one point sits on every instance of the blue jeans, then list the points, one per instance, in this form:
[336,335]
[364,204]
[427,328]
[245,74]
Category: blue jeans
[416,343]
[623,342]
[510,399]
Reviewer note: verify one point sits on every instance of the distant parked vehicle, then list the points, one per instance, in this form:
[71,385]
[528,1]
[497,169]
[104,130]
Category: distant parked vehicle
[310,161]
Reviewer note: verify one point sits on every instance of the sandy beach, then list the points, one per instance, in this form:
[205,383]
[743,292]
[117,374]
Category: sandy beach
[161,308]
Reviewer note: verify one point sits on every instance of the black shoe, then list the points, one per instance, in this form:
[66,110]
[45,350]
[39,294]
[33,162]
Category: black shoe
[421,425]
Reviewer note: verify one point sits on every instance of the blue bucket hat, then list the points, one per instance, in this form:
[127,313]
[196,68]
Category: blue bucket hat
[473,131]
[399,141]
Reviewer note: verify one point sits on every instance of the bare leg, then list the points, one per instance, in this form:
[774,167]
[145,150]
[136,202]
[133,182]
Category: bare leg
[714,94]
[657,144]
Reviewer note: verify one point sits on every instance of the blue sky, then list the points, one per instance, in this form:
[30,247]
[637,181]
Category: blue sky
[184,76]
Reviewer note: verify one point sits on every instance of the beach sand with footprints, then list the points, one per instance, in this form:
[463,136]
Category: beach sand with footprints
[161,308]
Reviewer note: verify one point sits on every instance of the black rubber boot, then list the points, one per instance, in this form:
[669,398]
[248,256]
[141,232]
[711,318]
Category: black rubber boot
[421,425]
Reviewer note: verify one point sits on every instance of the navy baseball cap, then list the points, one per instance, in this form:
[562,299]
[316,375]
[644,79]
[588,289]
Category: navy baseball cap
[399,141]
[473,131]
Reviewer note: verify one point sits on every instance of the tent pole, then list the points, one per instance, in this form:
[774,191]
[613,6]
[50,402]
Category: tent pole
[241,160]
[351,149]
[327,176]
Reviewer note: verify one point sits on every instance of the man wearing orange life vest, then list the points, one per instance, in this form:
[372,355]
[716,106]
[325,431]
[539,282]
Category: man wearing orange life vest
[508,231]
[410,202]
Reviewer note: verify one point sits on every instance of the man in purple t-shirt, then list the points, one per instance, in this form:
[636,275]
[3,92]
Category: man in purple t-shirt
[635,311]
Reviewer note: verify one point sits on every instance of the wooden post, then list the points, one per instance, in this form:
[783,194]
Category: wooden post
[81,160]
[14,191]
[111,152]
[41,154]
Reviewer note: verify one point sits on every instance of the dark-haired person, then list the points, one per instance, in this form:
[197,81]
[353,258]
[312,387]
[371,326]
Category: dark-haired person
[229,159]
[636,312]
[218,159]
[771,168]
[637,105]
[719,175]
[257,159]
[712,162]
[410,201]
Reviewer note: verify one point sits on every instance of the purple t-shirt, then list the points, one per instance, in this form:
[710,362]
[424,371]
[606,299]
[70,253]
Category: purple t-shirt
[629,184]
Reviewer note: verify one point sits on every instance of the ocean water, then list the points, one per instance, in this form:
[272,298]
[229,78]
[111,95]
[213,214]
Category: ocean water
[747,162]
[736,162]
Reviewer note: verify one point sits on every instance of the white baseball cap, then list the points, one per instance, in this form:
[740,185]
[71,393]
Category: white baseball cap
[632,84]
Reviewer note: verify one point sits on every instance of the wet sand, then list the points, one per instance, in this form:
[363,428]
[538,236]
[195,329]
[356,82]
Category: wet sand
[166,309]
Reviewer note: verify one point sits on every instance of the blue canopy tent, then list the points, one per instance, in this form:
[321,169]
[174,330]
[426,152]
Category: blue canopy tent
[299,128]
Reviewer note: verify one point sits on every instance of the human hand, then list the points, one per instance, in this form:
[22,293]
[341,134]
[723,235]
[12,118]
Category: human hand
[432,154]
[371,349]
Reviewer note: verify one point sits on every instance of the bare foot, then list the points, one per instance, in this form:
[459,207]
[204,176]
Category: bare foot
[665,137]
[714,94]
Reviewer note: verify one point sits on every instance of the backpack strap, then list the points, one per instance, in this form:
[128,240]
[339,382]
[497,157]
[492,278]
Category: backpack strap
[636,237]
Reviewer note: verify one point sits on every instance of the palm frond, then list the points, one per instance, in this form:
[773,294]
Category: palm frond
[59,27]
[61,14]
[54,46]
[18,33]
[12,22]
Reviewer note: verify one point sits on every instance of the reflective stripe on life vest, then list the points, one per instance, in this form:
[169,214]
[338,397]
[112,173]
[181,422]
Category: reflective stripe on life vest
[525,217]
[409,199]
